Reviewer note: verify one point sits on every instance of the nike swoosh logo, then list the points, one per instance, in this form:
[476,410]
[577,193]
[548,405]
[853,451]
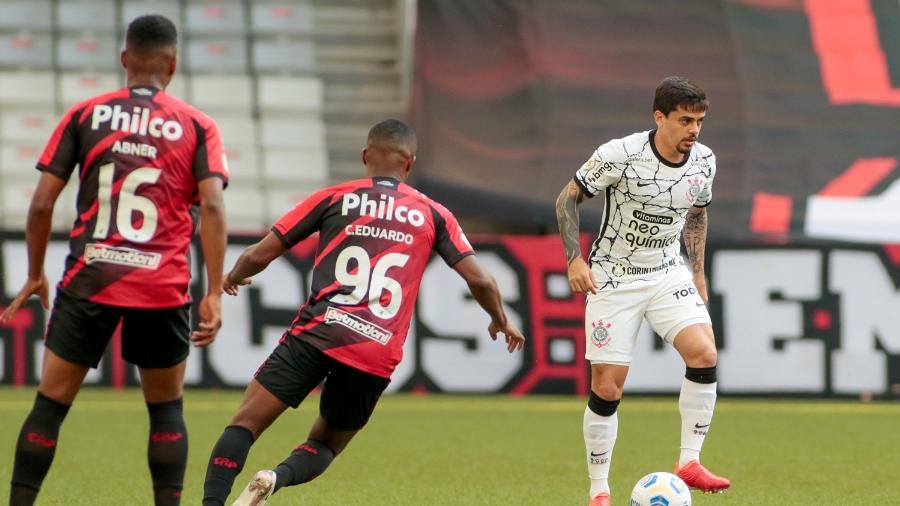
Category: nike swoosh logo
[699,304]
[599,454]
[698,426]
[640,184]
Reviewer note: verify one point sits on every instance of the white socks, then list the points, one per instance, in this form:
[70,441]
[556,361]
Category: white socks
[599,439]
[696,405]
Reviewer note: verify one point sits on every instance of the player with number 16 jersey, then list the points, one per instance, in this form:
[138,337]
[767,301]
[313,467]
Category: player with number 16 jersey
[140,153]
[148,167]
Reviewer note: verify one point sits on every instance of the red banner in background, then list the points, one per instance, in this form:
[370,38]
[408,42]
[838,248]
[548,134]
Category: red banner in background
[802,319]
[803,117]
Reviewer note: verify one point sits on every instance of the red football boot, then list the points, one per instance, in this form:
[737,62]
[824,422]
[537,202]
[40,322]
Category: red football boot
[698,477]
[601,499]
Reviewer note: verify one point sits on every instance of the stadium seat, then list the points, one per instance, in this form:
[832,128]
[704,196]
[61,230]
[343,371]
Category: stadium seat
[26,50]
[274,18]
[220,55]
[17,159]
[31,126]
[241,146]
[96,15]
[27,89]
[16,198]
[295,166]
[168,8]
[178,86]
[280,200]
[88,52]
[226,93]
[245,208]
[292,132]
[243,164]
[25,14]
[276,56]
[289,95]
[75,87]
[221,17]
[236,129]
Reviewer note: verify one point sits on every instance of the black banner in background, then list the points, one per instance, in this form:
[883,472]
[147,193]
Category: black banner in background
[511,96]
[822,319]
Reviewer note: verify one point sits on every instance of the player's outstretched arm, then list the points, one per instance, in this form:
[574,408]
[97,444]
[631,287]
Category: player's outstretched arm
[581,280]
[37,234]
[213,240]
[252,261]
[694,235]
[484,289]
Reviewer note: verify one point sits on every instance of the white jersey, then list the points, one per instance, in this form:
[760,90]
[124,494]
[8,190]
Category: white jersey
[647,199]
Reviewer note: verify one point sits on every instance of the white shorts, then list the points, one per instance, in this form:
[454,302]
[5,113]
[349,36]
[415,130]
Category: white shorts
[613,316]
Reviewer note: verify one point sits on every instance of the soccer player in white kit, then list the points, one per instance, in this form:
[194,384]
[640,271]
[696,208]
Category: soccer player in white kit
[657,185]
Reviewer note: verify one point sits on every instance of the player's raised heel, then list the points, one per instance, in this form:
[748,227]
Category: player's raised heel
[698,477]
[601,499]
[258,491]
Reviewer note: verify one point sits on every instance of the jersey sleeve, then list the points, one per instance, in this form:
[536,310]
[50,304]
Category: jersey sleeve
[209,157]
[60,155]
[304,219]
[599,171]
[450,242]
[705,196]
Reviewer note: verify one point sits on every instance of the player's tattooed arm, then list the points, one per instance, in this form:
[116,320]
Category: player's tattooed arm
[581,280]
[694,236]
[568,219]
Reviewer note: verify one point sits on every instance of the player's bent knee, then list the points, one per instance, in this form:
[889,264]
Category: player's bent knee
[707,357]
[601,406]
[608,391]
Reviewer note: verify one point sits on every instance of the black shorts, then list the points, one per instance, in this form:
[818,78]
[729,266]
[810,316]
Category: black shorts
[295,367]
[79,331]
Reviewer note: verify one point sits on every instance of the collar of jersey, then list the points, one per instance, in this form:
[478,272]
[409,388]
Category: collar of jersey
[662,159]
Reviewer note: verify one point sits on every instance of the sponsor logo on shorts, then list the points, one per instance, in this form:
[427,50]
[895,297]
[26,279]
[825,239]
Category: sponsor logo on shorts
[619,270]
[600,336]
[358,325]
[95,252]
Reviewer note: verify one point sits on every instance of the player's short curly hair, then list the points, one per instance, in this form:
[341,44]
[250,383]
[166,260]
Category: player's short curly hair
[393,131]
[151,32]
[675,91]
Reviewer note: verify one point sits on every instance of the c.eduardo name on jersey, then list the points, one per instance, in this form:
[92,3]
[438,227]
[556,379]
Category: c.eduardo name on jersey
[384,208]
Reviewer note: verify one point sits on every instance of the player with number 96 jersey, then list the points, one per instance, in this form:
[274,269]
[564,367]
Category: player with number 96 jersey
[376,236]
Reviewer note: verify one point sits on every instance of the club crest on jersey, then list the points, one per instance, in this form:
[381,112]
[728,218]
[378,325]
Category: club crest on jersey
[136,122]
[695,188]
[618,270]
[384,207]
[600,336]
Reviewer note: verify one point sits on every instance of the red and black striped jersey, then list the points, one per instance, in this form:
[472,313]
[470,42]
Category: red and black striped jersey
[140,155]
[375,239]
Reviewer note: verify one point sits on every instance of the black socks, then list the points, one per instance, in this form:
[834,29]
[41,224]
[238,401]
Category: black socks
[35,449]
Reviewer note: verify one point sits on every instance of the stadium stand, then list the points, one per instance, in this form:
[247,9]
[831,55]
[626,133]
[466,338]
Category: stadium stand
[293,86]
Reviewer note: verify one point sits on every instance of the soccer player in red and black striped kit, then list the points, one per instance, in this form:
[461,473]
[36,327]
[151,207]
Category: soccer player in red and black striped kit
[375,239]
[147,164]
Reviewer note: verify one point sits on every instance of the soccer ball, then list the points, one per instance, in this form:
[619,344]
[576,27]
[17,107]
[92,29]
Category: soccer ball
[660,489]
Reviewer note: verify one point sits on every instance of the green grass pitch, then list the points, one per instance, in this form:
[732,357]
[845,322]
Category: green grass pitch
[474,450]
